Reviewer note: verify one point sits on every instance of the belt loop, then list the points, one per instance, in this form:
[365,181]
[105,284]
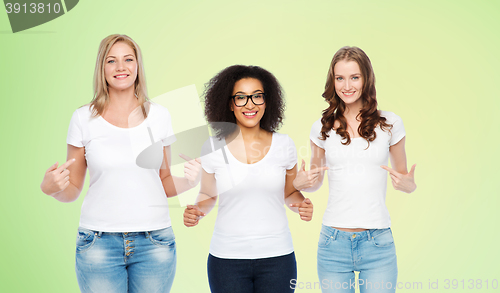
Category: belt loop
[335,234]
[99,233]
[146,233]
[368,233]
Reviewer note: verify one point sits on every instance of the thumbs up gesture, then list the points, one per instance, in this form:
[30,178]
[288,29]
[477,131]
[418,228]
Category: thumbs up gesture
[306,179]
[192,215]
[56,179]
[305,209]
[402,182]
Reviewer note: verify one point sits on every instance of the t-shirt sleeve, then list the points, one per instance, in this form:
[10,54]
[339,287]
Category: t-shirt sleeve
[397,131]
[75,133]
[292,154]
[206,154]
[316,134]
[169,138]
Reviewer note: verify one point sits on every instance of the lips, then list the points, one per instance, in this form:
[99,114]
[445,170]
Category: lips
[121,76]
[250,114]
[348,94]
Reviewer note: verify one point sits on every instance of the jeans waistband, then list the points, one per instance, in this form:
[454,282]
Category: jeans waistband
[363,235]
[121,234]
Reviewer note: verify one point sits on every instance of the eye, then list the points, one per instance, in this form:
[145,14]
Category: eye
[355,78]
[129,60]
[257,96]
[241,97]
[339,78]
[111,61]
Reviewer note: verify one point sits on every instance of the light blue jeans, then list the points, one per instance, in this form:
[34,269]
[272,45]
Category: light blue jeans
[125,262]
[370,252]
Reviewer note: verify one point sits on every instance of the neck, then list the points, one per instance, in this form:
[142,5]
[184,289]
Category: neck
[123,99]
[248,134]
[352,110]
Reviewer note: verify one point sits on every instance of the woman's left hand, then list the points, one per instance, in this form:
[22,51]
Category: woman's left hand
[402,182]
[305,209]
[192,170]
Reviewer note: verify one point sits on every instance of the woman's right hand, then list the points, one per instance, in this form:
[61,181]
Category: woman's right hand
[56,179]
[306,179]
[192,215]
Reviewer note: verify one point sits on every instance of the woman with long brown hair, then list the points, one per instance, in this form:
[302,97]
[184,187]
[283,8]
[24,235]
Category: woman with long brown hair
[354,140]
[125,241]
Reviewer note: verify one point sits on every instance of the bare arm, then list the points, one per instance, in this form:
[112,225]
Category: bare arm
[66,182]
[173,185]
[205,201]
[294,199]
[401,179]
[310,181]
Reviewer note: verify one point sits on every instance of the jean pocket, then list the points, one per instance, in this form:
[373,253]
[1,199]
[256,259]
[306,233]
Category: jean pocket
[163,237]
[85,239]
[383,239]
[324,239]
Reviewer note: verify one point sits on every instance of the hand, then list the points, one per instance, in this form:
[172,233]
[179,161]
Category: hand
[192,170]
[306,179]
[56,179]
[305,209]
[405,183]
[192,215]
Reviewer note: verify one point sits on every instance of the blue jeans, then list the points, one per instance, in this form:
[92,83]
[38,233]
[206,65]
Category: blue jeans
[370,252]
[261,275]
[125,262]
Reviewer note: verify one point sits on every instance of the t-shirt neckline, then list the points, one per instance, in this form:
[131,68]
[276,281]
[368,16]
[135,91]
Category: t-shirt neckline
[258,162]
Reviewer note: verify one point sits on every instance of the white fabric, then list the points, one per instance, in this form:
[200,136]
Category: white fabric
[251,221]
[122,197]
[357,184]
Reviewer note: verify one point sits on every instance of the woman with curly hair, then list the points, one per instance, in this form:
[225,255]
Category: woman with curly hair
[355,140]
[251,169]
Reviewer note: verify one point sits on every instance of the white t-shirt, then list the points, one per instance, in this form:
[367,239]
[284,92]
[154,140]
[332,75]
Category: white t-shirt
[357,184]
[123,196]
[251,221]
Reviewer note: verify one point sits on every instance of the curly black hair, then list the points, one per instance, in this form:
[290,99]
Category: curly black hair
[218,92]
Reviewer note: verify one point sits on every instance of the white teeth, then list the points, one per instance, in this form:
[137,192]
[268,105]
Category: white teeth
[250,114]
[119,76]
[348,94]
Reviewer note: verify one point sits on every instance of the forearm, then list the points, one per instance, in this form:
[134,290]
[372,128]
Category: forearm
[205,202]
[174,185]
[70,194]
[295,197]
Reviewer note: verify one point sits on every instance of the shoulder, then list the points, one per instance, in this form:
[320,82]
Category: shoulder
[158,108]
[390,116]
[282,138]
[317,125]
[83,113]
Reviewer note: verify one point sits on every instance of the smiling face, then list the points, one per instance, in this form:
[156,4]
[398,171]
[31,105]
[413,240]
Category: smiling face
[348,82]
[120,67]
[248,116]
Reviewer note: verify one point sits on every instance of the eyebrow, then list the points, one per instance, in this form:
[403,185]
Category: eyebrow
[255,91]
[110,56]
[351,74]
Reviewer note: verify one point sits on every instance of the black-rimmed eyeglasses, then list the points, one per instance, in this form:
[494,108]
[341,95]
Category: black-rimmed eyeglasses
[242,100]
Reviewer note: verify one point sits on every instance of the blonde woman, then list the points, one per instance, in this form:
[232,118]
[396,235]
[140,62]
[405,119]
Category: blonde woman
[125,242]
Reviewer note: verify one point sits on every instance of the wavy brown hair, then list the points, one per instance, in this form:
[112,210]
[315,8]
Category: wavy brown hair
[370,117]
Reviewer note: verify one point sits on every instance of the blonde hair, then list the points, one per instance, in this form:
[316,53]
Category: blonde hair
[101,97]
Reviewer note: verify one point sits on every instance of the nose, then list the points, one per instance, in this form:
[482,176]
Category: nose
[120,65]
[347,84]
[250,104]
